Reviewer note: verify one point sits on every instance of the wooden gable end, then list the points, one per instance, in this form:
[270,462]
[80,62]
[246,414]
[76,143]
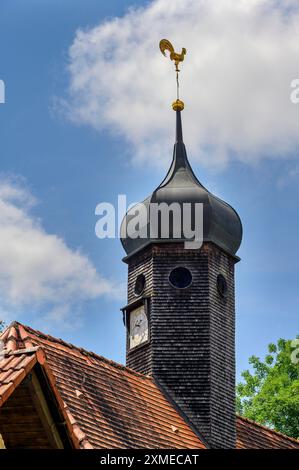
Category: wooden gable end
[29,418]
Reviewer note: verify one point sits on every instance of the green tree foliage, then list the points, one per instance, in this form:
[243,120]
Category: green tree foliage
[269,394]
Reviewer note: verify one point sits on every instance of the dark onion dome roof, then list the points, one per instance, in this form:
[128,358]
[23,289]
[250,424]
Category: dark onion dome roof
[221,223]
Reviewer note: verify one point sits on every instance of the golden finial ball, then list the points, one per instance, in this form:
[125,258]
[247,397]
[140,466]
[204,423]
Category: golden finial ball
[178,105]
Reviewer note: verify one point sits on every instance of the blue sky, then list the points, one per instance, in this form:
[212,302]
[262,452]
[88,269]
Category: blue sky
[69,164]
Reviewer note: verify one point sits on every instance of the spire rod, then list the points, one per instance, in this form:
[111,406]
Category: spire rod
[179,131]
[164,45]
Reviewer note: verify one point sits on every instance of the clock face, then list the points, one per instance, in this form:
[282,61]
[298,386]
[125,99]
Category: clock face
[138,327]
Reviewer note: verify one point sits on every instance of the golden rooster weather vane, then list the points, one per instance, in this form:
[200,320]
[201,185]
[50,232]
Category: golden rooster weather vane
[166,45]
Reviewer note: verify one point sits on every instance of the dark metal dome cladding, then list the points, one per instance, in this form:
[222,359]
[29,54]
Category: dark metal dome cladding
[221,223]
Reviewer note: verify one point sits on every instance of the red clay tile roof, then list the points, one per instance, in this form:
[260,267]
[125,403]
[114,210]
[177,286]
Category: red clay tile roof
[107,405]
[13,369]
[255,436]
[111,406]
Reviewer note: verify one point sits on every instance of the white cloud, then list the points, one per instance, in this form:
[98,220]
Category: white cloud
[38,271]
[235,81]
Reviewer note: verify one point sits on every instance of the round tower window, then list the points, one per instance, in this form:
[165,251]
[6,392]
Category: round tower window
[180,278]
[139,284]
[222,285]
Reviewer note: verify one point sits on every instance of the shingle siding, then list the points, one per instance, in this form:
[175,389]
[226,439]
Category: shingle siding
[191,351]
[141,358]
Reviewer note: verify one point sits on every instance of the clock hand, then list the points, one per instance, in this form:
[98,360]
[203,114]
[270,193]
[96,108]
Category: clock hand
[138,322]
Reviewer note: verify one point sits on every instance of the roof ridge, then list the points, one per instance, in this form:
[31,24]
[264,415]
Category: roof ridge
[71,346]
[280,434]
[22,351]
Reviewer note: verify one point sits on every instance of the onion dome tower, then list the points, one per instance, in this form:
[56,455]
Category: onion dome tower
[180,317]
